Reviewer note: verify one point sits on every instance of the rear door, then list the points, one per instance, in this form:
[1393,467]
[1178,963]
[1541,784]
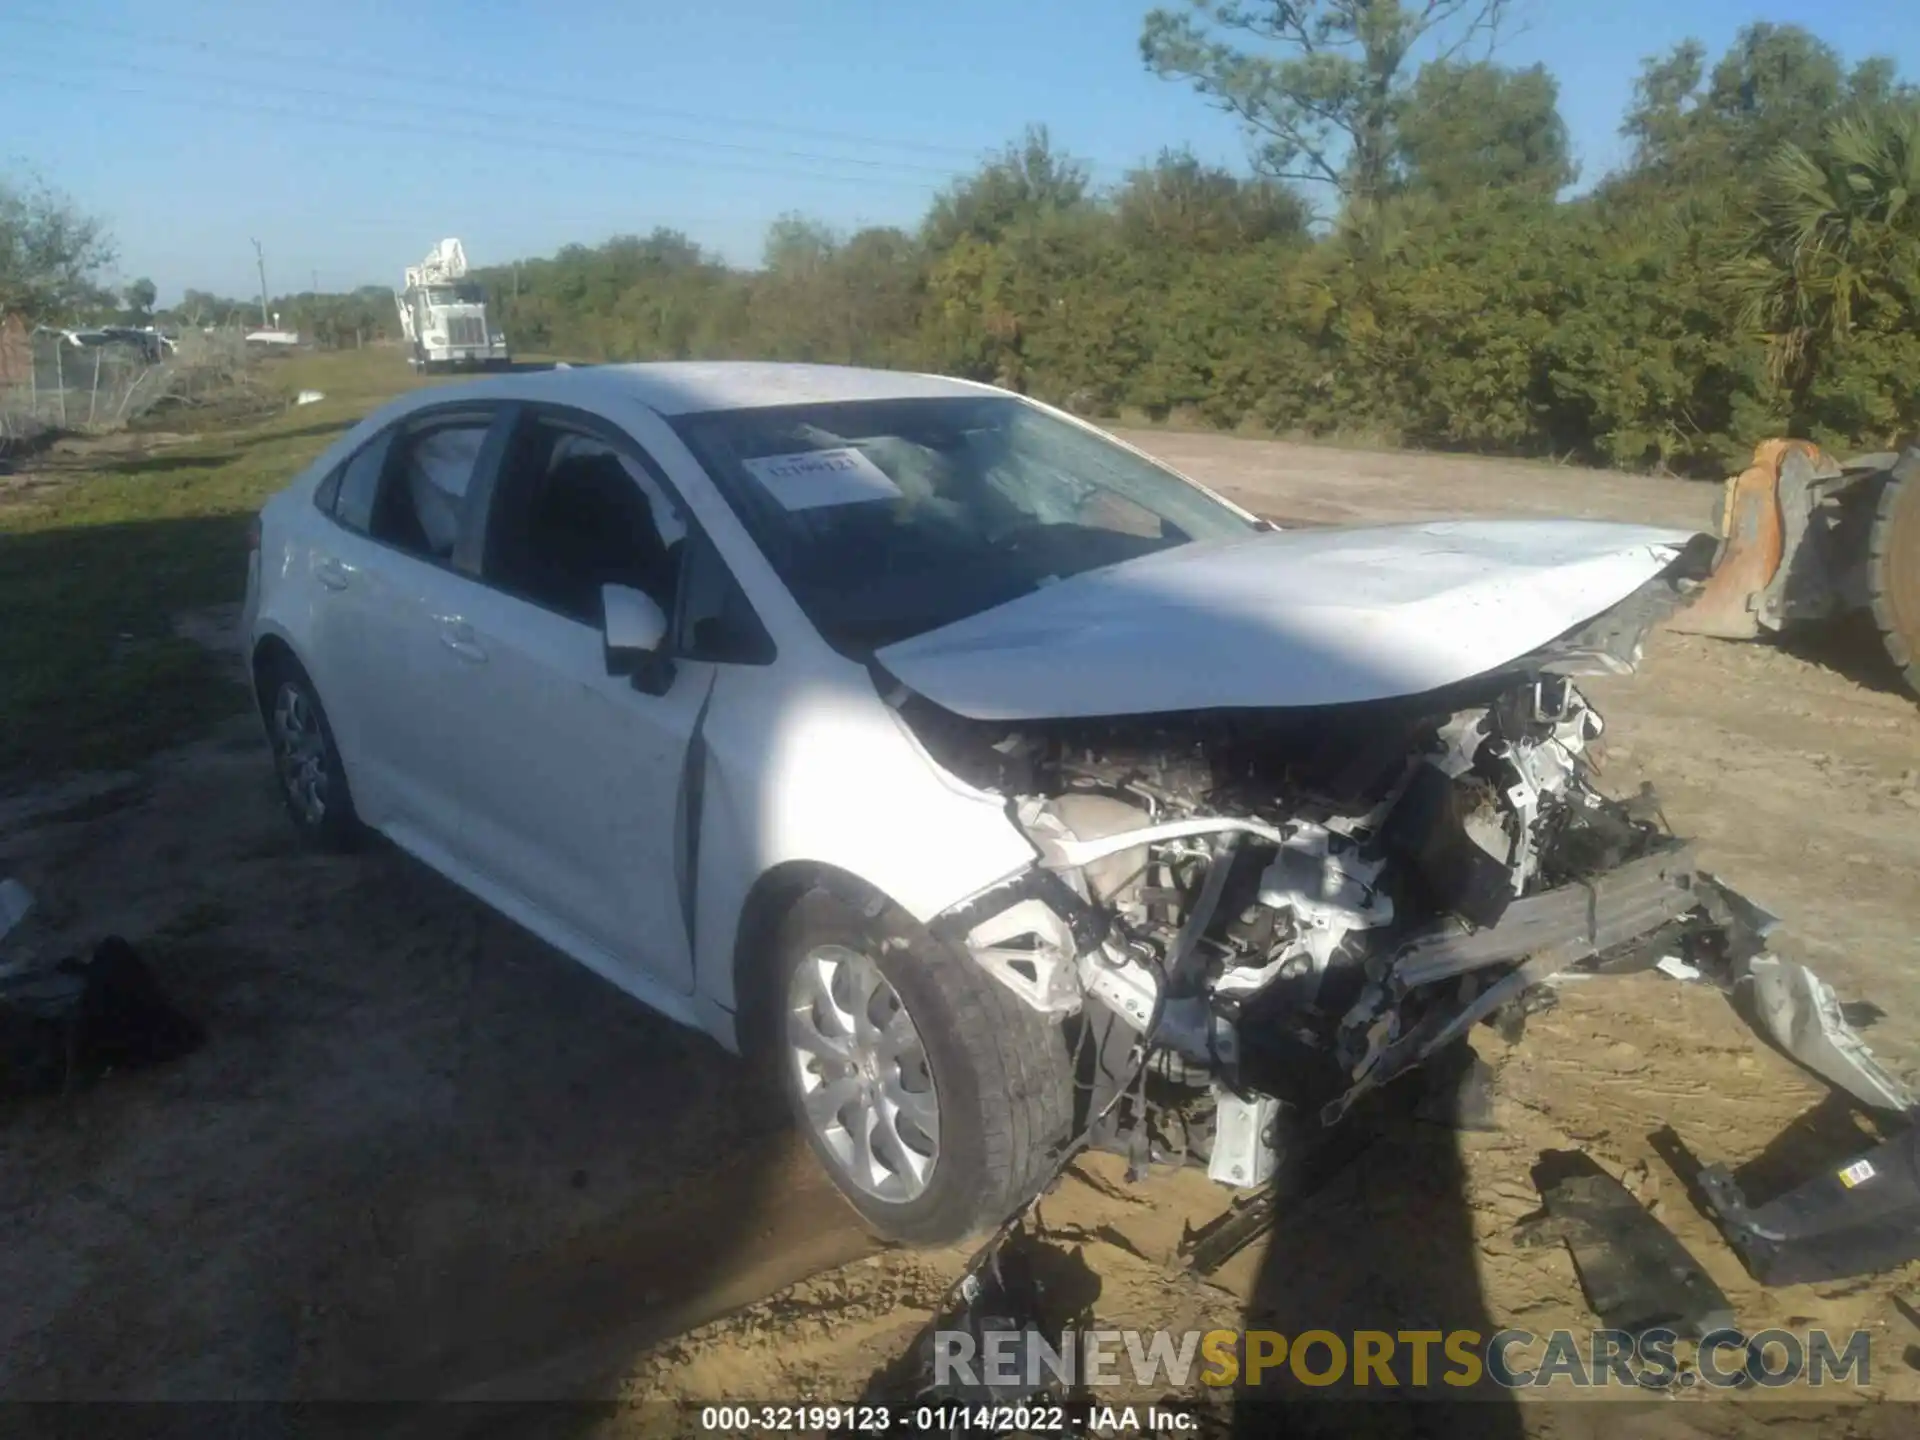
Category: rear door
[384,574]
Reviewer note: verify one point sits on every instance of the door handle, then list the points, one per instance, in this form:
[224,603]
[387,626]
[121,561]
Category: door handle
[458,637]
[332,574]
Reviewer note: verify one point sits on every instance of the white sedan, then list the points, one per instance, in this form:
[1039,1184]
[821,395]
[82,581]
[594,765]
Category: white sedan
[1006,788]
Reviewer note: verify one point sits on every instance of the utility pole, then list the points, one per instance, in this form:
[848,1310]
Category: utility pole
[316,282]
[260,259]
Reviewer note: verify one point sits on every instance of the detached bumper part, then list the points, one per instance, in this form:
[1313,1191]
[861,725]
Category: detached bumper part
[1798,1011]
[1859,1219]
[1577,920]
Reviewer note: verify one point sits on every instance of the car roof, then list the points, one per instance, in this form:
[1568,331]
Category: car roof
[689,387]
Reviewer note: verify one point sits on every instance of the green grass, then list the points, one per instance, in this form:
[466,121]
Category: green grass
[95,566]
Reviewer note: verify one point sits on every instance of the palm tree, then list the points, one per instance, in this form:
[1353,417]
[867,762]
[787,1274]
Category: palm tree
[1836,231]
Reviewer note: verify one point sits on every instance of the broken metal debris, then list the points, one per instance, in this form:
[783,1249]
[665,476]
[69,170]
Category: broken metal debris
[1243,1151]
[1258,921]
[1636,1275]
[1296,908]
[1256,917]
[1303,1171]
[1859,1218]
[1017,1292]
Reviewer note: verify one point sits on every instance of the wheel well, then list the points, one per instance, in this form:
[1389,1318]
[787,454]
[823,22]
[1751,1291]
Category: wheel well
[270,655]
[772,896]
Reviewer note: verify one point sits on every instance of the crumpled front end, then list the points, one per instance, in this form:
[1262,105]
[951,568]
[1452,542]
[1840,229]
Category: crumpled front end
[1251,910]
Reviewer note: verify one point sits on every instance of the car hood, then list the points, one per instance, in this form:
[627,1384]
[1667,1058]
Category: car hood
[1283,618]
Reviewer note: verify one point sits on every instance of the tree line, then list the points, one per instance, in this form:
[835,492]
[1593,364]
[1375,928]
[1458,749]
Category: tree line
[52,256]
[1400,265]
[1406,260]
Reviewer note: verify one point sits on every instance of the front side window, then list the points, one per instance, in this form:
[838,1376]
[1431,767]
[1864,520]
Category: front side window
[891,518]
[573,513]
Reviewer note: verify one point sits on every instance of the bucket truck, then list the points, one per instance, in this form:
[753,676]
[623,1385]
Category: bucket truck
[444,315]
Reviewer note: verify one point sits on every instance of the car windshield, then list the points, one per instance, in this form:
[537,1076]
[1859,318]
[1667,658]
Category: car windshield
[890,518]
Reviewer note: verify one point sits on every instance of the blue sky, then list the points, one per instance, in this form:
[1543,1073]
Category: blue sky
[196,126]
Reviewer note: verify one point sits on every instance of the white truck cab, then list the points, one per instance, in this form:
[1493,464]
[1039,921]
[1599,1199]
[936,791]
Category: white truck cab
[444,315]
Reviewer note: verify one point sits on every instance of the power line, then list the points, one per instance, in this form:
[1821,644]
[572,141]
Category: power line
[521,141]
[502,117]
[417,80]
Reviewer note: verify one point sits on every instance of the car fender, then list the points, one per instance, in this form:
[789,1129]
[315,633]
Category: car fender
[815,770]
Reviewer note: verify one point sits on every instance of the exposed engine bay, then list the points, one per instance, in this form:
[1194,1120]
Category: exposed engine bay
[1251,911]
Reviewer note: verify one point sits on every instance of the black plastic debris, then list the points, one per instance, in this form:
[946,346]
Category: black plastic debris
[73,1020]
[1637,1276]
[1859,1218]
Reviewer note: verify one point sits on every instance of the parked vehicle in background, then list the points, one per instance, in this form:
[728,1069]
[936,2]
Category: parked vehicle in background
[444,315]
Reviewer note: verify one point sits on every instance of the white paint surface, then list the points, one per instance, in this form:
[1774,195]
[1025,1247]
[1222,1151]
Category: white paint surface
[484,734]
[1299,617]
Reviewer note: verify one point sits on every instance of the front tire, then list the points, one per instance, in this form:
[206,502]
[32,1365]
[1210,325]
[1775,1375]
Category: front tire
[1893,567]
[313,782]
[936,1101]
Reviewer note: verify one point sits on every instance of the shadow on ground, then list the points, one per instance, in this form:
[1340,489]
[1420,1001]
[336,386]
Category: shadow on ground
[1850,646]
[1386,1246]
[99,679]
[420,1155]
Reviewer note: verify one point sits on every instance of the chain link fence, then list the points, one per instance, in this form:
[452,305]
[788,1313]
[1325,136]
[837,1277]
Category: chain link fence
[50,383]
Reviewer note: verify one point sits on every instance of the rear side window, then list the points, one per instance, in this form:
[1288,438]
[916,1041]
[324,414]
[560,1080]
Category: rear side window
[408,486]
[328,491]
[408,489]
[358,485]
[431,484]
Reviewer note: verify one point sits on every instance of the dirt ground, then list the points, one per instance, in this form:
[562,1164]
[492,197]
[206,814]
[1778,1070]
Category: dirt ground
[422,1155]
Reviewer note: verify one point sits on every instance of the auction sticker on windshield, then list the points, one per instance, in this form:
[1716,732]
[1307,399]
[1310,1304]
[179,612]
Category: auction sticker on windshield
[812,479]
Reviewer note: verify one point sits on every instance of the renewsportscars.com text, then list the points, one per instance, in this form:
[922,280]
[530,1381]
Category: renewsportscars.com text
[1407,1359]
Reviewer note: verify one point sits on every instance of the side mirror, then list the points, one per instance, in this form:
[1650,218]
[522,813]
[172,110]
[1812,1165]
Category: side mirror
[633,630]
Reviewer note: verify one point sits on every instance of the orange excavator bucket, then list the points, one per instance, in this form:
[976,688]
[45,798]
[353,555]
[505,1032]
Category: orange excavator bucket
[1752,545]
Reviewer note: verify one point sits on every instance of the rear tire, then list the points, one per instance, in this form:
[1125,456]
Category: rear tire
[1893,567]
[313,783]
[964,1095]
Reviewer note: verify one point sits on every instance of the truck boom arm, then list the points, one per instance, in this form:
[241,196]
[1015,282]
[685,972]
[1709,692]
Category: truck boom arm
[444,264]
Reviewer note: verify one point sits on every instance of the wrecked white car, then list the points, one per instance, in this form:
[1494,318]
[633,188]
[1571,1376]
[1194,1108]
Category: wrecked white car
[1007,789]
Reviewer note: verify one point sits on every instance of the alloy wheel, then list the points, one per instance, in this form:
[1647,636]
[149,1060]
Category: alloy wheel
[300,751]
[865,1084]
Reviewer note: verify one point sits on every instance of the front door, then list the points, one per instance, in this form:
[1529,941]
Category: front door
[574,785]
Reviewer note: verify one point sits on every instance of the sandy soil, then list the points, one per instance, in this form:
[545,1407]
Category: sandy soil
[422,1155]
